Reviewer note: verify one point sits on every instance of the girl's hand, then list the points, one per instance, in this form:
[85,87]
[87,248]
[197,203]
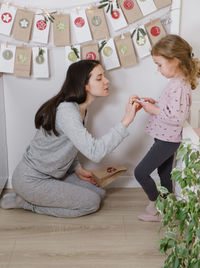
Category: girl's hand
[130,112]
[148,100]
[85,175]
[150,108]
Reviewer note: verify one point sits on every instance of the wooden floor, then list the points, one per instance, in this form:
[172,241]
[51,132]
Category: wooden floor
[111,238]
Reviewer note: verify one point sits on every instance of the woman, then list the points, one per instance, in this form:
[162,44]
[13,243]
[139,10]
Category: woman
[49,179]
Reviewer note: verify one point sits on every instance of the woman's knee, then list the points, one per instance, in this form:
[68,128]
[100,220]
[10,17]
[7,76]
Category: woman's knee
[92,202]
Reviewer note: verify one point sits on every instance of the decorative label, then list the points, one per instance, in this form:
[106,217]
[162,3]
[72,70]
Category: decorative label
[141,41]
[115,14]
[155,31]
[6,17]
[123,49]
[41,25]
[72,57]
[107,51]
[128,4]
[22,58]
[79,22]
[24,23]
[7,54]
[90,56]
[111,169]
[39,59]
[60,26]
[96,21]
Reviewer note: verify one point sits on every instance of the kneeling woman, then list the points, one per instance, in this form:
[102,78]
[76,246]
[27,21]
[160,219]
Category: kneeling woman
[49,179]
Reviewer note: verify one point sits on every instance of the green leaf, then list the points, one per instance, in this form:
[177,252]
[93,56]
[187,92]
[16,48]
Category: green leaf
[142,31]
[111,9]
[102,6]
[176,263]
[133,33]
[108,8]
[170,235]
[181,152]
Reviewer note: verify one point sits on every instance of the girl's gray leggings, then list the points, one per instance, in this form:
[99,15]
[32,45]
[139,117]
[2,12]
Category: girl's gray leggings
[160,157]
[69,197]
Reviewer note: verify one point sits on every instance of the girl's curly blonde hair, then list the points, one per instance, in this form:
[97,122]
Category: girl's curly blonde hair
[172,46]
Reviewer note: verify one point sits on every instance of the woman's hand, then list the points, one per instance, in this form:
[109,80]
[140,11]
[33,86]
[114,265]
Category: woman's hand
[130,112]
[85,175]
[150,108]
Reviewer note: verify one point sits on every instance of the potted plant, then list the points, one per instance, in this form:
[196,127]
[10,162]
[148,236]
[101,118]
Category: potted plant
[181,214]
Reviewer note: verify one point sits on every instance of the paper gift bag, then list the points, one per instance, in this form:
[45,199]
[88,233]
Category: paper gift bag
[7,16]
[162,3]
[80,26]
[125,50]
[146,6]
[90,52]
[22,61]
[155,30]
[141,41]
[131,10]
[40,62]
[107,175]
[61,30]
[7,58]
[23,25]
[97,22]
[117,18]
[40,29]
[72,54]
[109,54]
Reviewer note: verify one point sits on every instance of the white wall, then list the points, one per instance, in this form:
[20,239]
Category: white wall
[24,96]
[3,142]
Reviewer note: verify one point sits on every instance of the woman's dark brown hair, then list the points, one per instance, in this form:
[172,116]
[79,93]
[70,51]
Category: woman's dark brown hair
[73,90]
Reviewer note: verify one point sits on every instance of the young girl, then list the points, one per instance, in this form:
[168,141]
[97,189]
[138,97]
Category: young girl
[49,179]
[175,61]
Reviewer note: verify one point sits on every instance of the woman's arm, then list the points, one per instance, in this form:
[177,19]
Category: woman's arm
[69,123]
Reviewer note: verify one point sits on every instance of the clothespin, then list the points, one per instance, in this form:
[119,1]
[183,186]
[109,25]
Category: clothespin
[122,36]
[77,10]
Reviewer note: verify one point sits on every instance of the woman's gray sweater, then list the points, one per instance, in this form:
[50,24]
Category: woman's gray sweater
[55,155]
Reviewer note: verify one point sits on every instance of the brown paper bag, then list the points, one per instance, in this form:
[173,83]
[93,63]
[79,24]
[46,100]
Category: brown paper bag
[97,23]
[125,50]
[162,3]
[107,175]
[23,61]
[90,51]
[155,30]
[23,25]
[61,30]
[131,10]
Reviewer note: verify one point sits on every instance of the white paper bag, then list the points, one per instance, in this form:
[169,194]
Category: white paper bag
[40,63]
[80,26]
[117,18]
[141,41]
[146,6]
[7,16]
[71,56]
[40,30]
[7,58]
[109,56]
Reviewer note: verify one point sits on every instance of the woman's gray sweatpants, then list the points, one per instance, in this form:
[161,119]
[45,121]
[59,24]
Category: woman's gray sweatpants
[69,197]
